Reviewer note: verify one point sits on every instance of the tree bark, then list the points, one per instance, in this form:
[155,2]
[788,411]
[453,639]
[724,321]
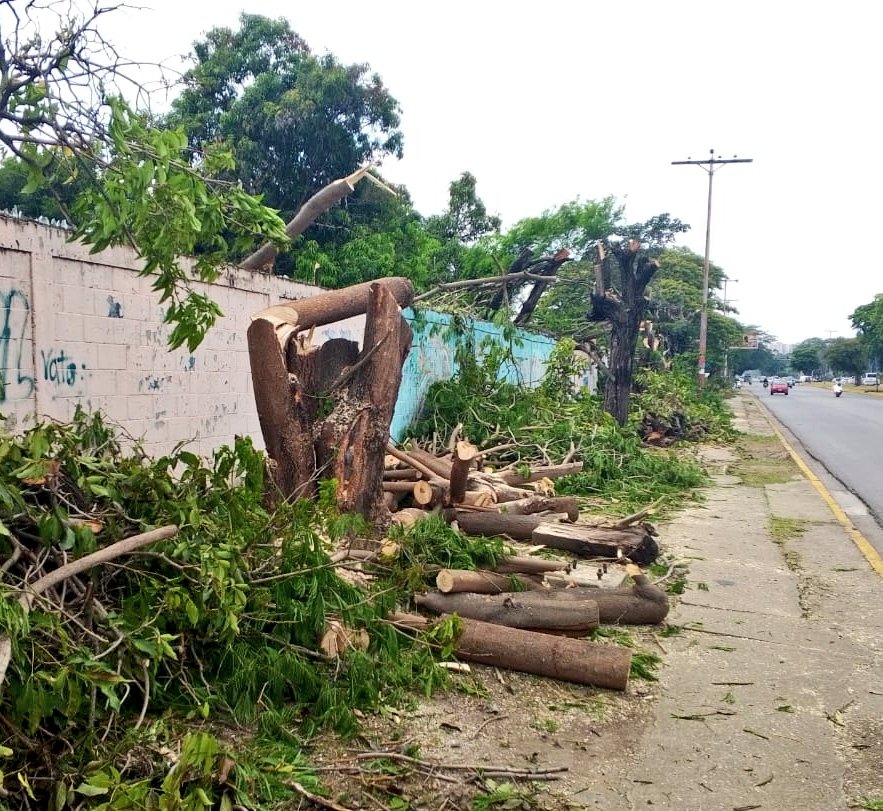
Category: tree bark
[530,565]
[464,456]
[318,204]
[550,268]
[624,311]
[557,657]
[336,305]
[642,604]
[538,504]
[514,611]
[353,437]
[543,472]
[490,524]
[633,543]
[292,379]
[283,413]
[450,581]
[441,467]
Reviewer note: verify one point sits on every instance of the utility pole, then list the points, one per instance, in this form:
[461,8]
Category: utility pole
[709,166]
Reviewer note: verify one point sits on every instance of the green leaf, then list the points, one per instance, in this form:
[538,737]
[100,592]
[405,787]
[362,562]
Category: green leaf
[90,790]
[5,751]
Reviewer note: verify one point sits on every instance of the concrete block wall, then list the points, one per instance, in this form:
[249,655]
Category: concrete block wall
[84,329]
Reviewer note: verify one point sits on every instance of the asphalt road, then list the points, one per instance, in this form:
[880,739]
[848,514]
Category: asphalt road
[845,434]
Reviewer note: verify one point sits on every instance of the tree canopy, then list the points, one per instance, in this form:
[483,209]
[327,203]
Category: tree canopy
[868,320]
[293,121]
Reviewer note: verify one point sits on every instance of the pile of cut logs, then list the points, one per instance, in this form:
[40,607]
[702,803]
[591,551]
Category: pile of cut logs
[507,503]
[526,612]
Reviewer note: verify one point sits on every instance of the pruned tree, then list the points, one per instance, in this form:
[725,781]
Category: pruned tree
[74,111]
[623,269]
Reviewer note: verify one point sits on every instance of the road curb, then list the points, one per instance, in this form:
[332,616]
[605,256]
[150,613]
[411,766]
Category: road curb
[862,543]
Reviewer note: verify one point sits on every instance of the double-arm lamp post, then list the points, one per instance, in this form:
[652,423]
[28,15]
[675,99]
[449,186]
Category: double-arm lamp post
[709,166]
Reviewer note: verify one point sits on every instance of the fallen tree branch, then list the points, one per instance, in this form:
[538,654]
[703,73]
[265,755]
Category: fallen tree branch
[115,550]
[486,281]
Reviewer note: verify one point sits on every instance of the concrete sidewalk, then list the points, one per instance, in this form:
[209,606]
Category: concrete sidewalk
[772,696]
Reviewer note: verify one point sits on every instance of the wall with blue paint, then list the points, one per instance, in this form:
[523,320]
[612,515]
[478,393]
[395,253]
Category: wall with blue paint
[78,329]
[432,359]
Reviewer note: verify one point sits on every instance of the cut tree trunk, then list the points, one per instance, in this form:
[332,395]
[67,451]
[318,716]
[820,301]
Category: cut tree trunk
[490,524]
[634,543]
[529,565]
[642,604]
[292,378]
[353,437]
[514,611]
[463,458]
[450,581]
[557,657]
[319,203]
[537,504]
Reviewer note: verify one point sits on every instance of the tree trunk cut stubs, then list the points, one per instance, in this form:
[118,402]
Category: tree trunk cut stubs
[325,411]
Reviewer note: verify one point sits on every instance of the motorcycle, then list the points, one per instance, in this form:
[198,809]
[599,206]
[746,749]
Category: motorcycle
[838,390]
[766,383]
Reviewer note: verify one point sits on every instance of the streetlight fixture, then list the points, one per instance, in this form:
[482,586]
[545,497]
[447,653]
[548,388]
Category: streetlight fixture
[709,166]
[727,348]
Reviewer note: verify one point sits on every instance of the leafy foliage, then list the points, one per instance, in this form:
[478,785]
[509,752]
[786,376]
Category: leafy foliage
[542,423]
[868,320]
[219,624]
[846,355]
[674,399]
[133,184]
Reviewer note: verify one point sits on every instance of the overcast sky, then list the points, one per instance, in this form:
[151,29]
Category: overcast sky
[546,102]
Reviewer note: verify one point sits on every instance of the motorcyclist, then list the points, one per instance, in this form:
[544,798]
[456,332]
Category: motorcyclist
[765,382]
[838,389]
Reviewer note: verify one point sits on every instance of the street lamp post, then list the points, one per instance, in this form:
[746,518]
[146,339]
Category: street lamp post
[727,348]
[709,166]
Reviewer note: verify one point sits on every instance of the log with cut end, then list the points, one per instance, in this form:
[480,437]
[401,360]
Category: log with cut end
[490,524]
[556,657]
[527,611]
[634,543]
[482,582]
[408,516]
[642,604]
[463,458]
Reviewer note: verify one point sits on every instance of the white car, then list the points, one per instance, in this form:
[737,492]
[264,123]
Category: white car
[870,379]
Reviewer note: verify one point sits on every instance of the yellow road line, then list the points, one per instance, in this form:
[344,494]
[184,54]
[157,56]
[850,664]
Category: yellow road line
[863,544]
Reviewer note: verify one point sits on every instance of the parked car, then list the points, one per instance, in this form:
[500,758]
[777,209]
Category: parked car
[870,379]
[778,386]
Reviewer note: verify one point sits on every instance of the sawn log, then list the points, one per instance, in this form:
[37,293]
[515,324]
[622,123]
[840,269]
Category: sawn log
[557,657]
[528,611]
[634,543]
[481,582]
[642,604]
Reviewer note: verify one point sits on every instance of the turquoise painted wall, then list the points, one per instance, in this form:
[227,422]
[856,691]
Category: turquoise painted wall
[432,358]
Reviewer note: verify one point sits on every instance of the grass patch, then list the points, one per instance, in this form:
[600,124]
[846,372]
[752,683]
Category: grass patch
[764,461]
[783,529]
[870,805]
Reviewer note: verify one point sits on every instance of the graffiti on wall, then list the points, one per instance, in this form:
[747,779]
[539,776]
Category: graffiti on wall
[59,368]
[15,381]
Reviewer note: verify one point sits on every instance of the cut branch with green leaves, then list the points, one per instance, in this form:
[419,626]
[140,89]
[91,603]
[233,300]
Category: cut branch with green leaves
[63,114]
